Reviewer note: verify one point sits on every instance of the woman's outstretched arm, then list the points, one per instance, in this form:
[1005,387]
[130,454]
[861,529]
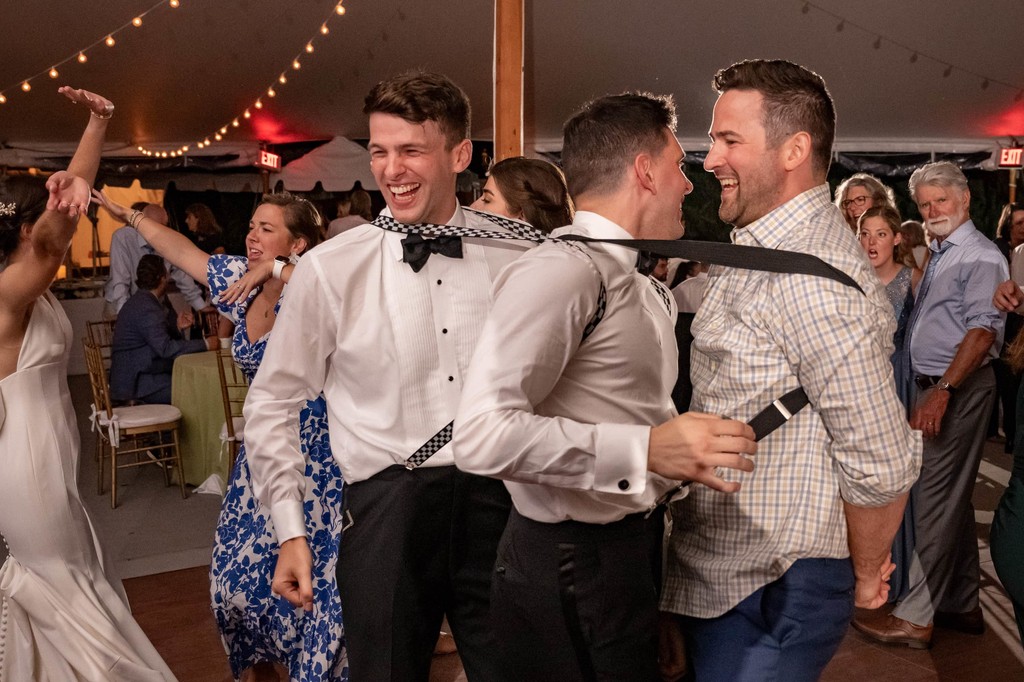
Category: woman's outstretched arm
[171,244]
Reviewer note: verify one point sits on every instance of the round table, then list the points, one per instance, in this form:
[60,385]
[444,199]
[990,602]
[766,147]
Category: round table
[195,390]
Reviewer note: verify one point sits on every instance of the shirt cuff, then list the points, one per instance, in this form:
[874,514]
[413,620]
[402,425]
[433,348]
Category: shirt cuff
[289,520]
[621,458]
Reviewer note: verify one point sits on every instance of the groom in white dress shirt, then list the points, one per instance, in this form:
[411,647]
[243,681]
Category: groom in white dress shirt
[575,413]
[387,338]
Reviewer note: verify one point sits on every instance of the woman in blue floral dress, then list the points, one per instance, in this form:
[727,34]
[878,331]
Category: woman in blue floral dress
[259,628]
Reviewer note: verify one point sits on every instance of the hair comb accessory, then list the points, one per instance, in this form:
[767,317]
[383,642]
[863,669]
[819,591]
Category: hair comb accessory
[7,210]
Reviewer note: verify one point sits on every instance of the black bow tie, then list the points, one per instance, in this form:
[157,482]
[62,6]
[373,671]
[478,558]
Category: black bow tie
[416,250]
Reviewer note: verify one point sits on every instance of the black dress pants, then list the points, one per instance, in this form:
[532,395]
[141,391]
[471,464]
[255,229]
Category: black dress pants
[420,544]
[578,602]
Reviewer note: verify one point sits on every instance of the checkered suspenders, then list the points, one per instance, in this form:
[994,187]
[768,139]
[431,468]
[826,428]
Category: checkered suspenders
[730,255]
[516,230]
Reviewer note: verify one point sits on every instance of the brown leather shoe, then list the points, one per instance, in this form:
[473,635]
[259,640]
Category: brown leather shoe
[971,622]
[892,630]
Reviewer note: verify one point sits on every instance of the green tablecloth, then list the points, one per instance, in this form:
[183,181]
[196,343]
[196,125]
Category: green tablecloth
[195,390]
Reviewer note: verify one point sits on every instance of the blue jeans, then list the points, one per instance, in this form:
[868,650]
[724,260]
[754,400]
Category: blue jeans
[787,630]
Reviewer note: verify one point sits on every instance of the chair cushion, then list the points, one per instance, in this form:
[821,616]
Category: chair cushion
[142,415]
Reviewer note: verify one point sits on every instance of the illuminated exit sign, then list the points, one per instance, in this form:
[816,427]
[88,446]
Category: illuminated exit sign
[1011,157]
[271,161]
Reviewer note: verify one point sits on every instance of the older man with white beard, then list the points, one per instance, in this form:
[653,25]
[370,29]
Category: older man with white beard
[955,332]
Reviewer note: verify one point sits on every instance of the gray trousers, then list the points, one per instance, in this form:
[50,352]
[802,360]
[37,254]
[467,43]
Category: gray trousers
[944,570]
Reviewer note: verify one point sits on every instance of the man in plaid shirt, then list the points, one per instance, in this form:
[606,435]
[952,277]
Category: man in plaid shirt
[764,581]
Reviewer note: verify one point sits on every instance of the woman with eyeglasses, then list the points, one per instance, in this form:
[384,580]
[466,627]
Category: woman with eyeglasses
[858,193]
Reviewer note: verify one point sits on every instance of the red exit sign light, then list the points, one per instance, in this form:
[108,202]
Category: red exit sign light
[1011,157]
[269,160]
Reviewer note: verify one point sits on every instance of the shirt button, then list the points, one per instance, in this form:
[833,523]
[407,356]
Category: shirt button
[451,378]
[438,281]
[444,331]
[623,484]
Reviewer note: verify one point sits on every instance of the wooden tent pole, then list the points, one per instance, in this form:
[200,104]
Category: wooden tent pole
[508,78]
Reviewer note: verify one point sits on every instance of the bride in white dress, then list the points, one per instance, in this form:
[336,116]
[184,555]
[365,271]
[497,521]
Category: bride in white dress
[61,617]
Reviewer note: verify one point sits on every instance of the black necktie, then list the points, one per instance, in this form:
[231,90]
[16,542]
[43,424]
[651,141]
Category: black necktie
[416,250]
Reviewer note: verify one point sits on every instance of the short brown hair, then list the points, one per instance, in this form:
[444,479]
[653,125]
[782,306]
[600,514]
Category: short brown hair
[604,137]
[150,271]
[419,96]
[795,99]
[536,189]
[300,217]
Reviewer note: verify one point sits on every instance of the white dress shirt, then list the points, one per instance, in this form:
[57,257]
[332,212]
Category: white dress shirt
[690,292]
[567,424]
[386,346]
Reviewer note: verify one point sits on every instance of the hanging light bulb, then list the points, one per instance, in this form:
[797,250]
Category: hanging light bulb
[309,48]
[224,130]
[25,86]
[340,9]
[324,30]
[296,65]
[206,141]
[82,59]
[218,137]
[200,145]
[137,21]
[110,41]
[234,124]
[282,79]
[53,72]
[3,99]
[258,104]
[175,4]
[271,92]
[184,148]
[246,114]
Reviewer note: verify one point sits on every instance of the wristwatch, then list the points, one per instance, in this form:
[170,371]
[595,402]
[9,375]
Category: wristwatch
[944,385]
[279,263]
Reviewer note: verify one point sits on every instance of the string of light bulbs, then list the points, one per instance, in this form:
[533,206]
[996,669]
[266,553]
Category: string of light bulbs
[915,54]
[81,56]
[270,92]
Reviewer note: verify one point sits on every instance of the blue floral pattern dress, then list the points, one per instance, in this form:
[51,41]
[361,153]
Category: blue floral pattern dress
[255,624]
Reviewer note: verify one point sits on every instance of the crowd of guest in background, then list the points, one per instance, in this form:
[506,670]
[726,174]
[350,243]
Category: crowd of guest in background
[944,367]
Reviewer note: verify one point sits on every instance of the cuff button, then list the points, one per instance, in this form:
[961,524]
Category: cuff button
[623,484]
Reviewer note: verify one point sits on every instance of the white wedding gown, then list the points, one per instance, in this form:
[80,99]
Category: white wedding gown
[61,618]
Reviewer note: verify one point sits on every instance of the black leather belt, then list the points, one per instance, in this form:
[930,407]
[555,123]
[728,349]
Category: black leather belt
[924,382]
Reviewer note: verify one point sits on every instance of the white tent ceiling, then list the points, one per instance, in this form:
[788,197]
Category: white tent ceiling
[188,71]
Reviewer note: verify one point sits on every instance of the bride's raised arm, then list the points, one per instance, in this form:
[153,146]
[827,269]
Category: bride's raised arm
[37,223]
